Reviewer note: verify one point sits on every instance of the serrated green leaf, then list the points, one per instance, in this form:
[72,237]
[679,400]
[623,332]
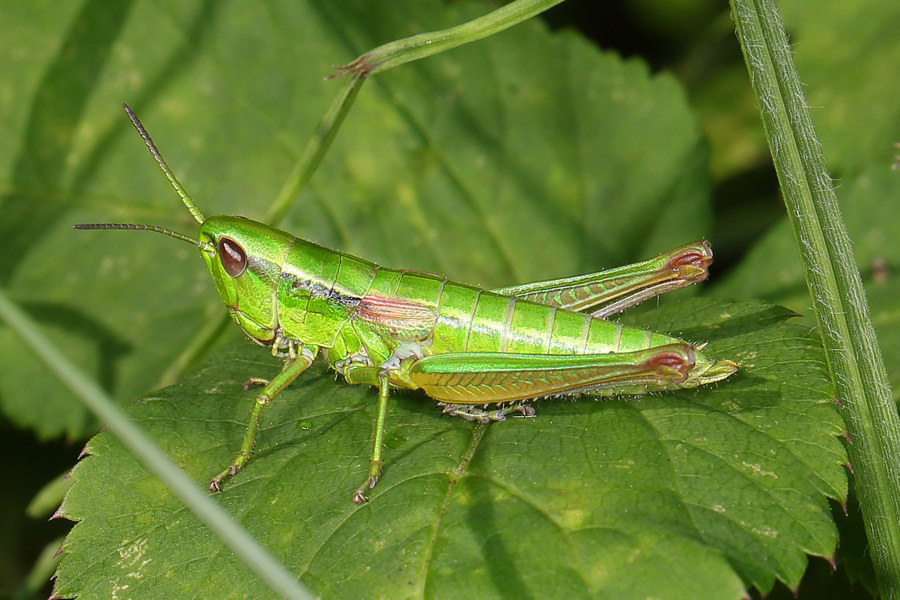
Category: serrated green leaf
[679,495]
[527,155]
[869,202]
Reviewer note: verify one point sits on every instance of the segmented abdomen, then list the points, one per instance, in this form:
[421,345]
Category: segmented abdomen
[472,320]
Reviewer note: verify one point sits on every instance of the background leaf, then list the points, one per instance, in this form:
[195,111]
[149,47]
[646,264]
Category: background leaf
[856,109]
[724,486]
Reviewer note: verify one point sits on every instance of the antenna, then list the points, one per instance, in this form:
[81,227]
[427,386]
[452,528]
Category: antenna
[182,193]
[140,227]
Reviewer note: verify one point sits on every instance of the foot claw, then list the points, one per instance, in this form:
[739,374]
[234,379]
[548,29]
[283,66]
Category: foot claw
[359,496]
[215,484]
[485,415]
[254,381]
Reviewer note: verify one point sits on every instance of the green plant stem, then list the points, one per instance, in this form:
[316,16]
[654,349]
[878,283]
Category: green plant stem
[851,347]
[315,151]
[419,46]
[198,501]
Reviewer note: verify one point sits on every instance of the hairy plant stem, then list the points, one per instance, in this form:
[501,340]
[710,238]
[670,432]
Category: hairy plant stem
[851,347]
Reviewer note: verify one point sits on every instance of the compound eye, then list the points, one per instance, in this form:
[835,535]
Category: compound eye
[233,257]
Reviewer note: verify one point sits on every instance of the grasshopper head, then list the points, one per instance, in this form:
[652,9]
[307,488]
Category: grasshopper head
[244,258]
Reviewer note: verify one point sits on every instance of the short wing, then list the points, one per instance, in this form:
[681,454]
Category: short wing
[402,320]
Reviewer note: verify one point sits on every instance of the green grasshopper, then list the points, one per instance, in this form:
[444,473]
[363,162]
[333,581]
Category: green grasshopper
[481,354]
